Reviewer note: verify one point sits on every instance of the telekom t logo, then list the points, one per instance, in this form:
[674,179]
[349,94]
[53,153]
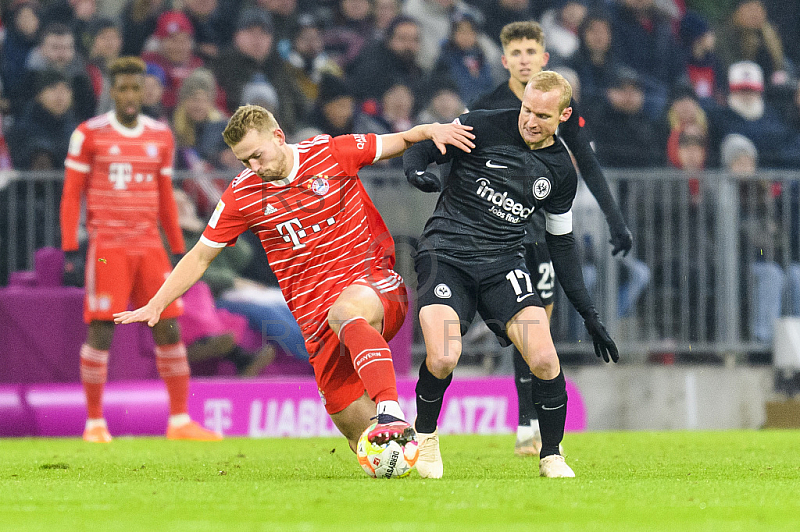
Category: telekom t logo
[293,231]
[217,414]
[120,174]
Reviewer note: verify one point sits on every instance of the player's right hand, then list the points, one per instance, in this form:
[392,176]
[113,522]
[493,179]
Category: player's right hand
[147,314]
[424,180]
[73,268]
[604,346]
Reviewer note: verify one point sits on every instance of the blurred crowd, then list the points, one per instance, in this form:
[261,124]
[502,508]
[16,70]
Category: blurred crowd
[661,82]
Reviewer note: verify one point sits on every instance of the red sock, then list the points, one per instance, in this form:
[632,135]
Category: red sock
[371,358]
[174,370]
[94,371]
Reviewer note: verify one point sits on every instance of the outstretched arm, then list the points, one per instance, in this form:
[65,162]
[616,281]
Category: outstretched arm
[454,134]
[577,140]
[187,272]
[567,266]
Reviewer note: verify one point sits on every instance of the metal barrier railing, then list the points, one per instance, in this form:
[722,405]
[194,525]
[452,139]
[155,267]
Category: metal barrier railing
[716,258]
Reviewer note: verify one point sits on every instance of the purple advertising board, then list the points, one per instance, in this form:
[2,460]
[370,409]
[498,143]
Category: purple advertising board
[262,408]
[292,408]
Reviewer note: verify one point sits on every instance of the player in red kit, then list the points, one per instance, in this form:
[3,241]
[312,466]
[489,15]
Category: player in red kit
[122,163]
[330,250]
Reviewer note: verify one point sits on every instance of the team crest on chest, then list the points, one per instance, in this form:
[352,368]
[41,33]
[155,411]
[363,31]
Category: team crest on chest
[541,188]
[152,150]
[319,185]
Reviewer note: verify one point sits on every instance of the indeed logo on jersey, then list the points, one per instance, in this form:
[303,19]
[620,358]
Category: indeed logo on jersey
[503,206]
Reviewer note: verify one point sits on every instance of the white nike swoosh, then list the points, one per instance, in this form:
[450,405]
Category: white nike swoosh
[524,380]
[425,400]
[555,408]
[520,298]
[489,164]
[420,172]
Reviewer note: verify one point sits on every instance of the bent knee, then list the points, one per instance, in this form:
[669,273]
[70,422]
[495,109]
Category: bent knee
[442,365]
[543,361]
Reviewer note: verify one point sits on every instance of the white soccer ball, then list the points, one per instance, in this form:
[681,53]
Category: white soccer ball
[390,460]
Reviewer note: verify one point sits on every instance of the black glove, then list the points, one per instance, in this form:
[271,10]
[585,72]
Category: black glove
[622,240]
[74,262]
[424,180]
[604,346]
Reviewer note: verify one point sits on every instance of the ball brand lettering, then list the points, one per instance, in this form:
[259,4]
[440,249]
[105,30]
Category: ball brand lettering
[392,464]
[514,211]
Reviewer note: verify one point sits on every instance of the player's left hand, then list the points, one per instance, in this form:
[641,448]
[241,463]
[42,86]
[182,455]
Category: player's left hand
[454,134]
[621,240]
[148,314]
[604,346]
[424,180]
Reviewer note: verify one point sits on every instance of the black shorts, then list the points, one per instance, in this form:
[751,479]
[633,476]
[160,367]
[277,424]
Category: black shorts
[498,292]
[537,257]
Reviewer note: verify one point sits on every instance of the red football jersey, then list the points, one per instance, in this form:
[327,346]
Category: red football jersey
[318,226]
[126,175]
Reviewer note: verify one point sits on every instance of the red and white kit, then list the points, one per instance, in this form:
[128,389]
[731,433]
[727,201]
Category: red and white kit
[321,234]
[126,175]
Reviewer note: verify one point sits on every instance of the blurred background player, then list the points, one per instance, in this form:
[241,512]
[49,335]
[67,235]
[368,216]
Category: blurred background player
[524,55]
[330,251]
[122,162]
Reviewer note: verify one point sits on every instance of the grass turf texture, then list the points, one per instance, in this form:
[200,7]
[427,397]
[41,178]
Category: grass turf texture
[736,480]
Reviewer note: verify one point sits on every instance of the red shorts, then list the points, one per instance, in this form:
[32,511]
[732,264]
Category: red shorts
[337,380]
[116,276]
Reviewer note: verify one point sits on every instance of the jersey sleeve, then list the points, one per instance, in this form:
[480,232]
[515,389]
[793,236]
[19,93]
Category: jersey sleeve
[558,209]
[167,208]
[226,224]
[77,166]
[577,138]
[354,152]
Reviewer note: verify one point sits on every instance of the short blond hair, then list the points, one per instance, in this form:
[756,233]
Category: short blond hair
[547,80]
[245,118]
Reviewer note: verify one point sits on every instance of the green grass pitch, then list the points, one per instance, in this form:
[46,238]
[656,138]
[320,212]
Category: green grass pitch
[733,480]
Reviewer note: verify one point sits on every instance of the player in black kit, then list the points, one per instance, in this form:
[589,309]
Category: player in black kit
[524,55]
[471,257]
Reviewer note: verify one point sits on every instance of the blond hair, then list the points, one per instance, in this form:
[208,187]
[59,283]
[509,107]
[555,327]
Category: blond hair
[547,80]
[523,29]
[125,65]
[245,118]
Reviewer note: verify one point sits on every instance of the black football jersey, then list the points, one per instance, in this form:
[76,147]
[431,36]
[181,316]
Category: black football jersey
[491,193]
[504,98]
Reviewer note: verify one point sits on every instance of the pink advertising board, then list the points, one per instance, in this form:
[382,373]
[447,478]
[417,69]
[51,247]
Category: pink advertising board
[292,408]
[263,408]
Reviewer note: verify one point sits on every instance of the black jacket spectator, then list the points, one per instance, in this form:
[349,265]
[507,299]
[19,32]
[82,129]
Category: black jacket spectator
[251,56]
[40,136]
[390,62]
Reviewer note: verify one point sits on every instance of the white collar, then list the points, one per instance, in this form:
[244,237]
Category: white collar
[126,131]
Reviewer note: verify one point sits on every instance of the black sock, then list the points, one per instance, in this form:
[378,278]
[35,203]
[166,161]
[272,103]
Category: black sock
[430,395]
[523,382]
[550,400]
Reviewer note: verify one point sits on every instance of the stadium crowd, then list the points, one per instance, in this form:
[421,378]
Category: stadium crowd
[660,82]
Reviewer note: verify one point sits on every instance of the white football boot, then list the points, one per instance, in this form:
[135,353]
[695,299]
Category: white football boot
[429,463]
[554,466]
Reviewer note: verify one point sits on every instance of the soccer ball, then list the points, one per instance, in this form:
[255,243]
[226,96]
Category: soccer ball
[390,460]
